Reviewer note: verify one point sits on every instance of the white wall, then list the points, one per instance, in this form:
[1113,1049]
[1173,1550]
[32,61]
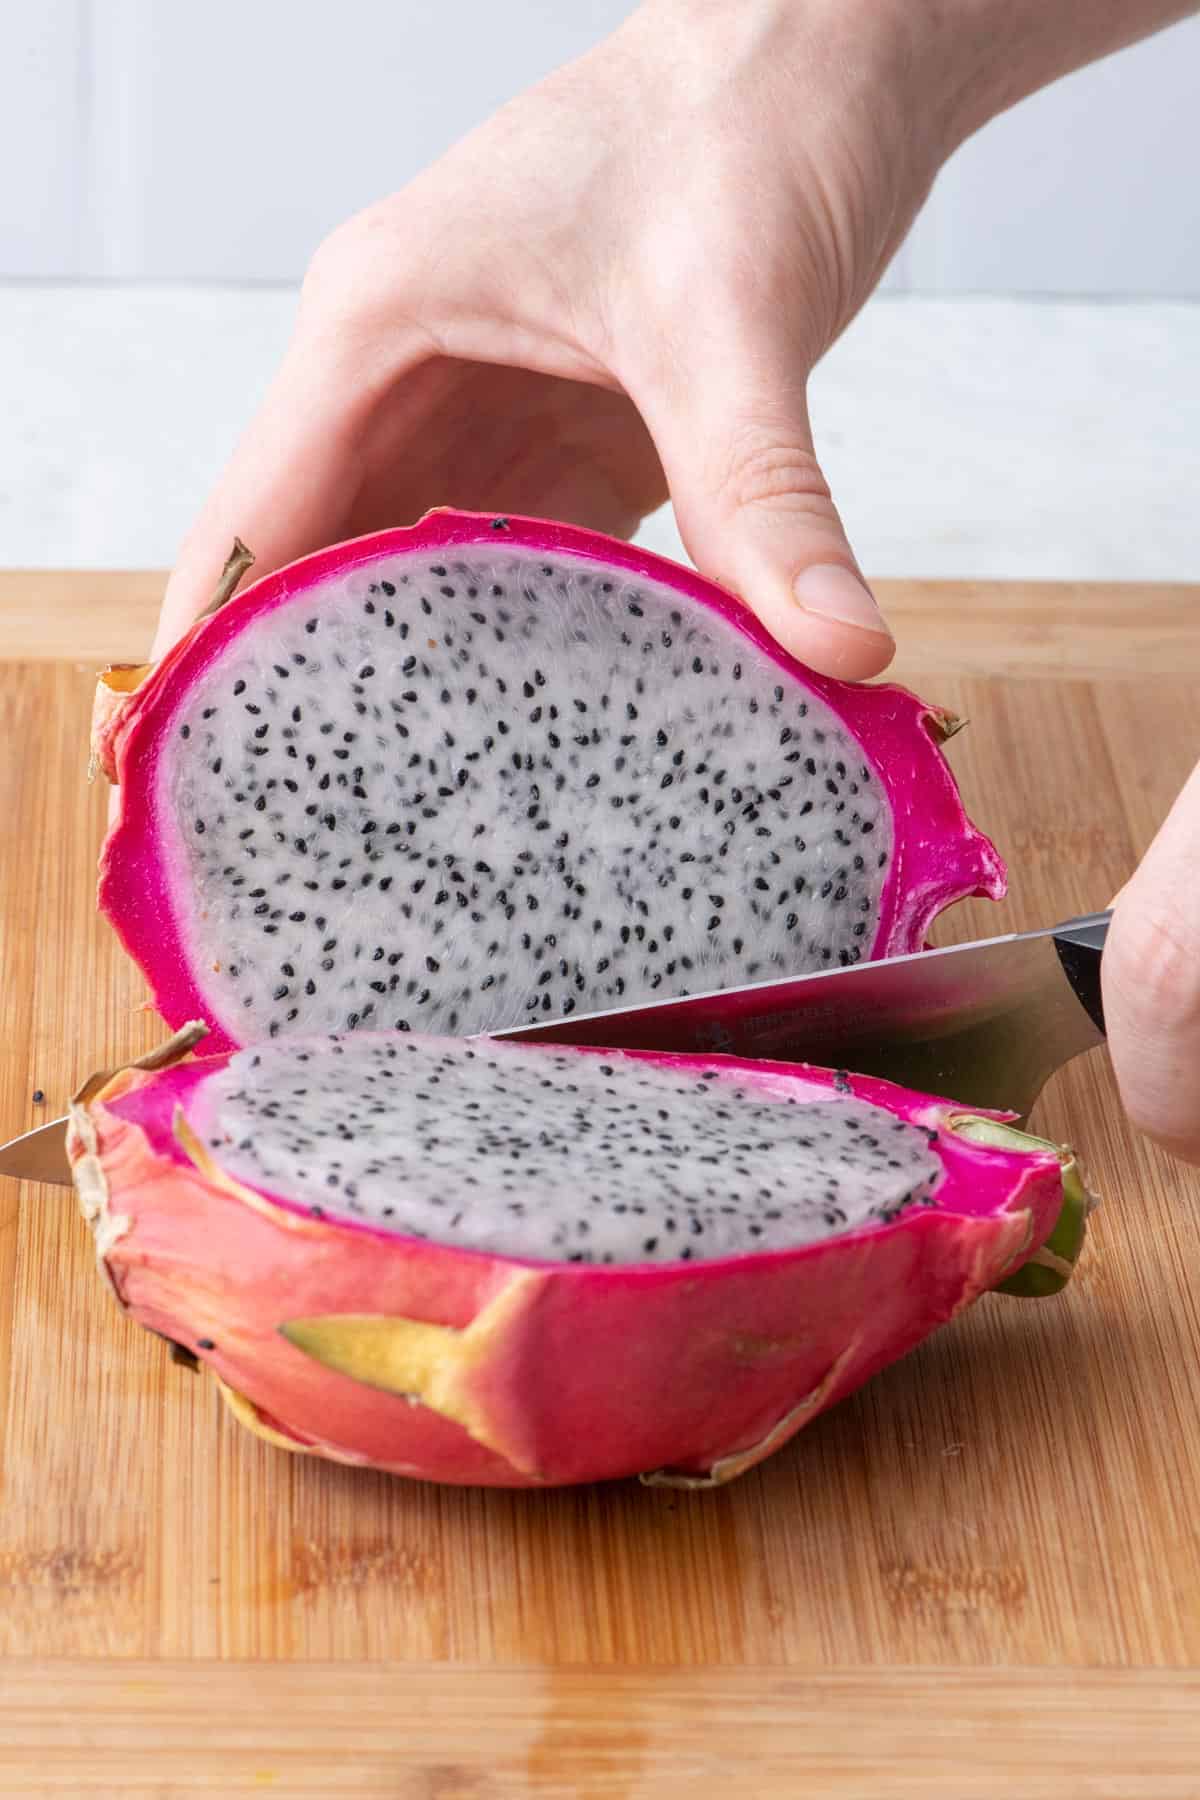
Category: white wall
[158,139]
[1090,187]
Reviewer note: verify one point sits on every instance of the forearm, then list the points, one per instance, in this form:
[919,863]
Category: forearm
[957,62]
[982,56]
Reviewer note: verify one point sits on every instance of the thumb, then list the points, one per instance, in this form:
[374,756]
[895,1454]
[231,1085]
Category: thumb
[755,511]
[1151,978]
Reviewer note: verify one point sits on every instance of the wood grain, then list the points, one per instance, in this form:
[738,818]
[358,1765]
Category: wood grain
[1017,1495]
[421,1731]
[1038,630]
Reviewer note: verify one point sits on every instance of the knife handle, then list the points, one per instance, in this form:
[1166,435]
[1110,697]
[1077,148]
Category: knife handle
[1079,943]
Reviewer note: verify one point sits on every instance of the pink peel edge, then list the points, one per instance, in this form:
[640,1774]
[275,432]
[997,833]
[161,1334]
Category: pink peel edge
[133,887]
[173,1089]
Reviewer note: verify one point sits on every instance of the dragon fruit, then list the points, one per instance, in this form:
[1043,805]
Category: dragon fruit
[508,1264]
[486,771]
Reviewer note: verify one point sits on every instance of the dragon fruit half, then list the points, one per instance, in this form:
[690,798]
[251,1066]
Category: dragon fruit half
[487,771]
[512,1264]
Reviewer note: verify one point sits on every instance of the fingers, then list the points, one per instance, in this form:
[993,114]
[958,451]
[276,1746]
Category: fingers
[371,420]
[1151,978]
[294,477]
[285,491]
[753,507]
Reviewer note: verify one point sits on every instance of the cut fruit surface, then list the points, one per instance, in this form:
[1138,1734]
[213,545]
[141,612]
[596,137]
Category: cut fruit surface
[516,1264]
[486,771]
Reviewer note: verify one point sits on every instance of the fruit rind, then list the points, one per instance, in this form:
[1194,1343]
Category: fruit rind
[938,856]
[536,1373]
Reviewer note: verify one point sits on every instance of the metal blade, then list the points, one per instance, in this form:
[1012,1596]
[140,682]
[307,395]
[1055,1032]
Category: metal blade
[986,1023]
[41,1155]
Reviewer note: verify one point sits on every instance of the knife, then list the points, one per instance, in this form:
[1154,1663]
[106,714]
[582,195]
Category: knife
[985,1023]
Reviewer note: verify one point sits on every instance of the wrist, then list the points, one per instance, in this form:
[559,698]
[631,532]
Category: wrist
[900,56]
[972,59]
[947,65]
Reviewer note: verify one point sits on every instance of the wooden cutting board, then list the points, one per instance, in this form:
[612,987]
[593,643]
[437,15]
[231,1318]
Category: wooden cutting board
[979,1577]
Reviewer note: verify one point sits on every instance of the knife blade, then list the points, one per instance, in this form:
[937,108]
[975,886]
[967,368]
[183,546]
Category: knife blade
[985,1023]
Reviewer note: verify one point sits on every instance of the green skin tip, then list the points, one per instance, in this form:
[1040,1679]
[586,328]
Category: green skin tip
[1050,1268]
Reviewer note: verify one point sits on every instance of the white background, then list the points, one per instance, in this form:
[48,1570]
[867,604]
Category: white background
[217,140]
[167,166]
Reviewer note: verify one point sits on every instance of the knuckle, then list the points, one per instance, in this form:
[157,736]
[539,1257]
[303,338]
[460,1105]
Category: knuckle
[1157,968]
[347,266]
[332,262]
[1163,1107]
[765,471]
[361,306]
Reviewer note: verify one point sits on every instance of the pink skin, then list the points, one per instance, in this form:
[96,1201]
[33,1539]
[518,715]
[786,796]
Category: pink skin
[938,856]
[654,1365]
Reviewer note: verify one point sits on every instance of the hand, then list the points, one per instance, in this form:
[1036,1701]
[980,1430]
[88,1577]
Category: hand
[1151,977]
[615,288]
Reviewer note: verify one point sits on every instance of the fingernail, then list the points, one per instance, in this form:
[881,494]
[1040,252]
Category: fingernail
[832,592]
